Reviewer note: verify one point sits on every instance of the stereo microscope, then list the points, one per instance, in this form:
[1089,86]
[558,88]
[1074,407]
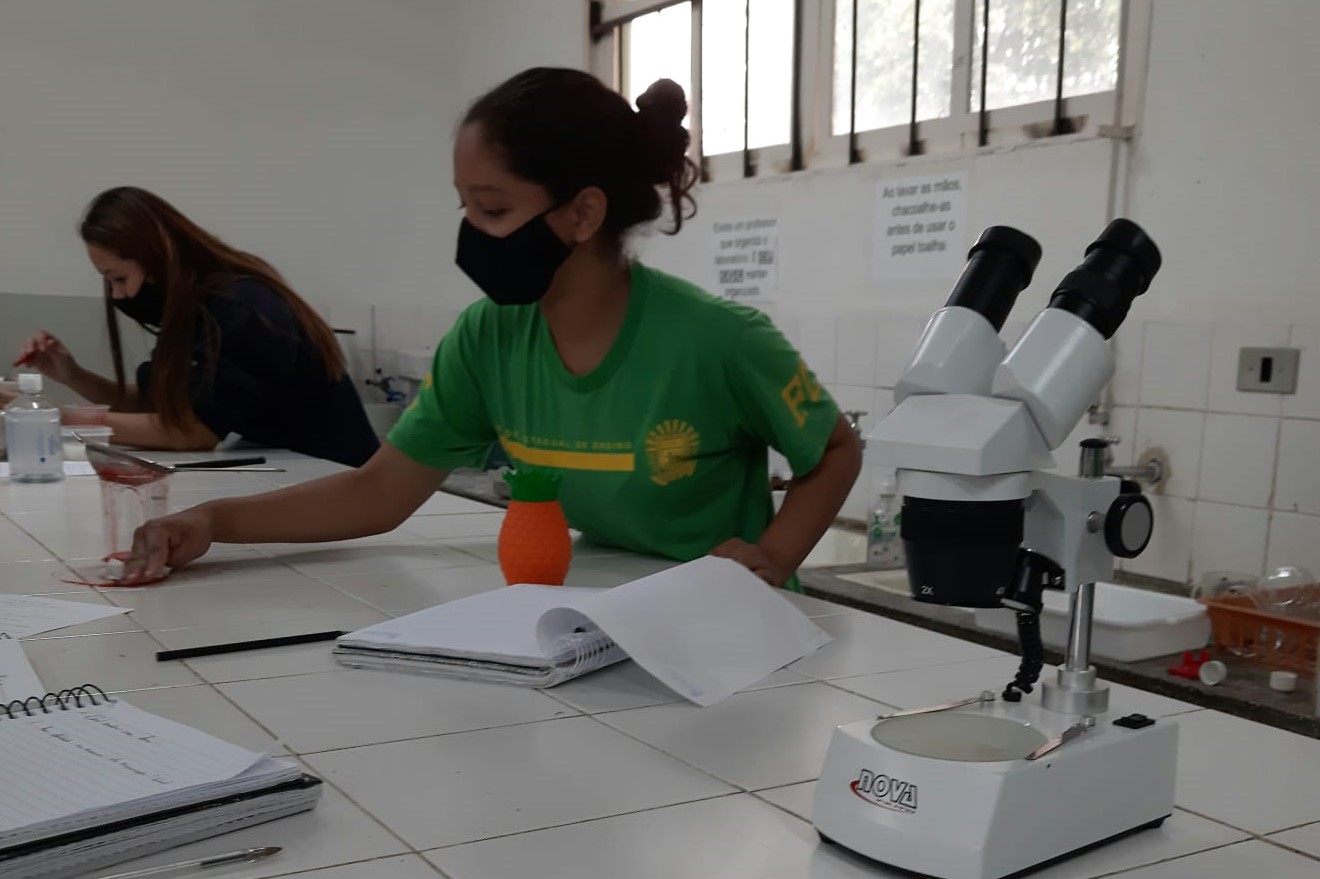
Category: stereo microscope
[999,784]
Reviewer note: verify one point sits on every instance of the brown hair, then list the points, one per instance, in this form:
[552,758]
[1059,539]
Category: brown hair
[190,265]
[565,130]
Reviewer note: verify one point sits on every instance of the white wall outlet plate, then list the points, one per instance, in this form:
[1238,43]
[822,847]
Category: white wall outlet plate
[1268,370]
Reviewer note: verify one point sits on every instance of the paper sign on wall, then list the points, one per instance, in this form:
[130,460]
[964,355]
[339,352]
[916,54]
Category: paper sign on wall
[746,256]
[920,229]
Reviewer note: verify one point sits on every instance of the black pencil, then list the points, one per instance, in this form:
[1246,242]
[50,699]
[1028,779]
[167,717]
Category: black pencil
[237,646]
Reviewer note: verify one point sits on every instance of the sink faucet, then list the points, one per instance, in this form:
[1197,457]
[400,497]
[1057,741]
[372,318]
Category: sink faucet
[854,419]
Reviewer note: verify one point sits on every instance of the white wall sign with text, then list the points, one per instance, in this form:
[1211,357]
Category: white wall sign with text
[920,229]
[746,254]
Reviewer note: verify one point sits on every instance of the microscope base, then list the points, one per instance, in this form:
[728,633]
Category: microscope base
[936,794]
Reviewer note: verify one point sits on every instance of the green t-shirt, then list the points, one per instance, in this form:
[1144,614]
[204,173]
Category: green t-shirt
[662,447]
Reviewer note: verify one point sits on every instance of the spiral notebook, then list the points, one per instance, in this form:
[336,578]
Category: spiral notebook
[705,629]
[92,781]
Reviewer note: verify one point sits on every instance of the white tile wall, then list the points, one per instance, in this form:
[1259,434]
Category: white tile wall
[855,349]
[791,327]
[1123,424]
[1128,347]
[1297,483]
[1228,339]
[1228,538]
[1306,402]
[1294,540]
[1237,460]
[1179,434]
[896,340]
[1175,365]
[882,403]
[816,344]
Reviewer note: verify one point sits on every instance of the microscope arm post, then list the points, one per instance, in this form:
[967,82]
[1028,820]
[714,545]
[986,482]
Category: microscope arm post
[1081,610]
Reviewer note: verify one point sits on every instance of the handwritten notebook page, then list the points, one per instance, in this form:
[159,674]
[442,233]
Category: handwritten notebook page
[18,680]
[60,764]
[24,615]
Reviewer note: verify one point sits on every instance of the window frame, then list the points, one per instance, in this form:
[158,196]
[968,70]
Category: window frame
[813,144]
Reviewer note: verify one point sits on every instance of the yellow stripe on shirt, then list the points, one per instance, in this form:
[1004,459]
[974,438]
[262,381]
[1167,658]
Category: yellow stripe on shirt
[607,462]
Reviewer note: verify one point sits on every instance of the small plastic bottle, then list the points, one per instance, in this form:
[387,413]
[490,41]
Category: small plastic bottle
[884,544]
[32,434]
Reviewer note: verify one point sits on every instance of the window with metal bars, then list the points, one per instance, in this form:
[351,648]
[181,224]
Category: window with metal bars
[792,83]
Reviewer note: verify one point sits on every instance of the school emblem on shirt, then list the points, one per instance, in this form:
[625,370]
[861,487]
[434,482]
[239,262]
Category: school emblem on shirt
[671,450]
[801,389]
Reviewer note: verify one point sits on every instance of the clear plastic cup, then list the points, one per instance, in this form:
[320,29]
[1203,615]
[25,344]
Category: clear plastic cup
[131,496]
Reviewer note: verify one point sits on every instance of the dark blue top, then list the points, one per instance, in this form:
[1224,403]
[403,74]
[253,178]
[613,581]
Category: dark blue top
[269,384]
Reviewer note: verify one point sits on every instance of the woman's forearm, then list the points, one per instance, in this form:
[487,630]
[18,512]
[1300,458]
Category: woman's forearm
[145,430]
[814,500]
[356,503]
[95,388]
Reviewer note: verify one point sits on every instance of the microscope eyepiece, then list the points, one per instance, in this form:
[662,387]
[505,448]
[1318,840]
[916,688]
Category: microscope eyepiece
[1118,268]
[999,267]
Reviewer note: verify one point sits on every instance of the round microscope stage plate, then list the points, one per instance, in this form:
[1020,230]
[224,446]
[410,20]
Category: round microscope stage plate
[958,735]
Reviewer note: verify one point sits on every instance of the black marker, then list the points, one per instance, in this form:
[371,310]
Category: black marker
[237,646]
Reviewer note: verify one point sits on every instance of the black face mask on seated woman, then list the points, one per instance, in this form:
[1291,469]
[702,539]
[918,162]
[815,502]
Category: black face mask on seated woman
[147,307]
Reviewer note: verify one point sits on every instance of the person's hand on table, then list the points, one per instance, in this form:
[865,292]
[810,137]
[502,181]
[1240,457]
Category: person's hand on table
[48,356]
[754,559]
[171,542]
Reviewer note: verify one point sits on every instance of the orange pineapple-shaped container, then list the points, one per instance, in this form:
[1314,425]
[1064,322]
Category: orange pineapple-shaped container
[535,546]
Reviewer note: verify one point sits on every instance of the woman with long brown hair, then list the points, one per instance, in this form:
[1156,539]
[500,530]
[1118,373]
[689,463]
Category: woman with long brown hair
[237,350]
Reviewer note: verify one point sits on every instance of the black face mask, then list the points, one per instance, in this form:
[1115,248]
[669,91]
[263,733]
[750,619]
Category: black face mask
[516,269]
[147,307]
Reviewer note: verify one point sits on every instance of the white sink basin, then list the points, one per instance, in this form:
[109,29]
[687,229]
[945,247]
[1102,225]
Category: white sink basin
[838,547]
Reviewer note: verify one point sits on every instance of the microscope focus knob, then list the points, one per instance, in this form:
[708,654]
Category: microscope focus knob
[1129,525]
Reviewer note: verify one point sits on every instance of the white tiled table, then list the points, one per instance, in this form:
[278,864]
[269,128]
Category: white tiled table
[607,776]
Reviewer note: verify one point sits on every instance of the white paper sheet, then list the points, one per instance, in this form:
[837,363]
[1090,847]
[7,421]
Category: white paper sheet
[18,680]
[24,615]
[705,629]
[71,468]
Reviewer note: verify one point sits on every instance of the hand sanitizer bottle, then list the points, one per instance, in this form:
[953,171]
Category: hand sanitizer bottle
[884,544]
[32,433]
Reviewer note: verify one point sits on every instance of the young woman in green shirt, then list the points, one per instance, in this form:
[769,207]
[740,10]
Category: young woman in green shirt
[656,401]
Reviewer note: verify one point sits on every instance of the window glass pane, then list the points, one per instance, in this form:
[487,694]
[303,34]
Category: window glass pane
[884,62]
[1024,52]
[935,64]
[724,66]
[659,47]
[1090,62]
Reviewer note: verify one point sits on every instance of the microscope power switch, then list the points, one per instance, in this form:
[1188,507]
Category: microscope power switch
[1134,721]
